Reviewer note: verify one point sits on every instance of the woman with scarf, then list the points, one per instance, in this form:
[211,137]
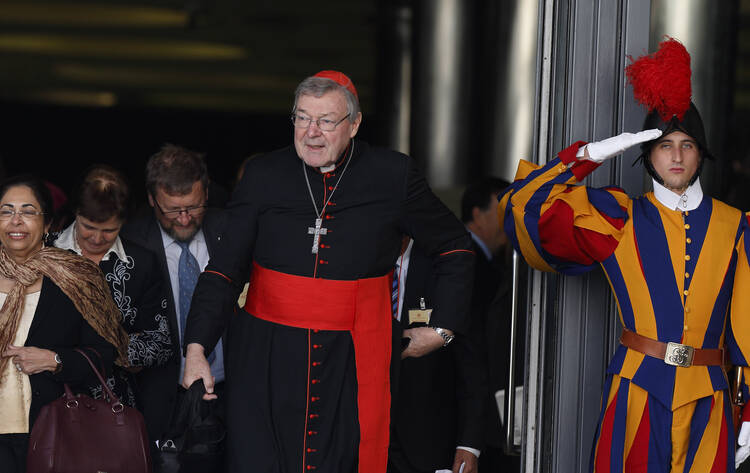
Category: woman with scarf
[131,271]
[51,302]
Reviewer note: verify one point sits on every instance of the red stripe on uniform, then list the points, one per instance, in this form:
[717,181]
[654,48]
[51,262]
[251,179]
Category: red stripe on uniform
[720,461]
[605,439]
[637,461]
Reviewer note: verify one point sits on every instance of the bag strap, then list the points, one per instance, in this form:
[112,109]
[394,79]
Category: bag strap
[114,399]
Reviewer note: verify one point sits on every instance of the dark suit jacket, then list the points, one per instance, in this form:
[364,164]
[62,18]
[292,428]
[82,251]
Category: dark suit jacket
[158,386]
[437,402]
[58,326]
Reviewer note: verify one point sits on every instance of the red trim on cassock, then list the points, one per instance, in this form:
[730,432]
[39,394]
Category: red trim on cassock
[218,273]
[456,251]
[362,307]
[562,239]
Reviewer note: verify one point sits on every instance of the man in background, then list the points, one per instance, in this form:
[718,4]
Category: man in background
[184,233]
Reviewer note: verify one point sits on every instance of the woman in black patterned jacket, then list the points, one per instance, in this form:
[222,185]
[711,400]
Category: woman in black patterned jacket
[131,271]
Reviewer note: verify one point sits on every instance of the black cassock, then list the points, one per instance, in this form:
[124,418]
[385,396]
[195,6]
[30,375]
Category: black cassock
[292,392]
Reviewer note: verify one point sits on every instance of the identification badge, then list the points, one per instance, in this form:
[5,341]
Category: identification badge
[421,315]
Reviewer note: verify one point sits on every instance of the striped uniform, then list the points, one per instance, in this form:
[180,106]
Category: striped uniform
[672,274]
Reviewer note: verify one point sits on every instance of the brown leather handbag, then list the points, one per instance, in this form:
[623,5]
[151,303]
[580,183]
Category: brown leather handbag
[76,433]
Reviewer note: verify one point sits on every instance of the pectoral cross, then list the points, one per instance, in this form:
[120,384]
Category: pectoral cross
[317,231]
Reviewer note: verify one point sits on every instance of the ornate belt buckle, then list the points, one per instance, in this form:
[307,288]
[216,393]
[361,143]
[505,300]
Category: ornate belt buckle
[679,355]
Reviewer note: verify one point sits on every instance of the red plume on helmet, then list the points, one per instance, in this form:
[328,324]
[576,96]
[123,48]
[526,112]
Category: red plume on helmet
[661,81]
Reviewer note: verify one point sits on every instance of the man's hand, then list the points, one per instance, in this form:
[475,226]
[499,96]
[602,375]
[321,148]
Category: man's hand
[197,367]
[423,341]
[471,463]
[743,440]
[31,360]
[601,150]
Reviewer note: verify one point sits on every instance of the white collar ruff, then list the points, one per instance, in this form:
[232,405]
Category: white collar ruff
[689,200]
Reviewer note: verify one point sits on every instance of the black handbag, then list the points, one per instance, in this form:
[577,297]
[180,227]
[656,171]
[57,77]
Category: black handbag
[77,433]
[195,439]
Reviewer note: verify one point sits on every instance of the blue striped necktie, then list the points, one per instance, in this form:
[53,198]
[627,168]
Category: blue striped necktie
[188,271]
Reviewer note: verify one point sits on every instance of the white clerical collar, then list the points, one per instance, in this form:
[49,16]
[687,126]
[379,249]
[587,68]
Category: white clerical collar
[68,241]
[689,200]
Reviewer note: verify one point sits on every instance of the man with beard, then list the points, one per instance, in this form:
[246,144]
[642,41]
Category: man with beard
[673,258]
[184,233]
[321,223]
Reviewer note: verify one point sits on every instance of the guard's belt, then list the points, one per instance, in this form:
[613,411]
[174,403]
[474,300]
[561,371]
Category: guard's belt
[671,353]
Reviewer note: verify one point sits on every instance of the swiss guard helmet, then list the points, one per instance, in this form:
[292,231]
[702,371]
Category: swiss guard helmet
[661,82]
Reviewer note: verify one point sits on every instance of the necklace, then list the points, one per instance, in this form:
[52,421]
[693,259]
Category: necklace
[318,229]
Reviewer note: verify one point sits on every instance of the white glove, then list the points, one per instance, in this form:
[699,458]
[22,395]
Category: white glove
[743,440]
[601,150]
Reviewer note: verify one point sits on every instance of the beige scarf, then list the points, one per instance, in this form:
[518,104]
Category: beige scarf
[79,278]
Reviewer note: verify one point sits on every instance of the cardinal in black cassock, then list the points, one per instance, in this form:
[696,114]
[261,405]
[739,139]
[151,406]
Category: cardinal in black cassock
[318,227]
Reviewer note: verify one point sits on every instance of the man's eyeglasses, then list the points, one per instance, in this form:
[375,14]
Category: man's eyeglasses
[25,214]
[196,211]
[324,124]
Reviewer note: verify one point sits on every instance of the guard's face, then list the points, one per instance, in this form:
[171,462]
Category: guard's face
[314,146]
[675,158]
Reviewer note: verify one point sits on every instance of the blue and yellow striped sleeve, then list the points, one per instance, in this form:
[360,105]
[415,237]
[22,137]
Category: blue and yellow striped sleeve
[557,225]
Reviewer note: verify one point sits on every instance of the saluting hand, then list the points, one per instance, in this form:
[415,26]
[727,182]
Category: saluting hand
[197,367]
[423,341]
[601,150]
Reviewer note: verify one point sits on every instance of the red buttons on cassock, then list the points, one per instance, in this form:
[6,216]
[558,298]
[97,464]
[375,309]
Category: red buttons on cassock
[314,416]
[330,188]
[316,346]
[322,261]
[312,450]
[312,432]
[329,217]
[315,381]
[316,363]
[310,467]
[328,174]
[315,399]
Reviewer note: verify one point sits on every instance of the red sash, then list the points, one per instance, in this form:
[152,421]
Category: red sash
[362,307]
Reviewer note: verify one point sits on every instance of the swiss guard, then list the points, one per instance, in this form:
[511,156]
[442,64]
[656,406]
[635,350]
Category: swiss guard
[677,266]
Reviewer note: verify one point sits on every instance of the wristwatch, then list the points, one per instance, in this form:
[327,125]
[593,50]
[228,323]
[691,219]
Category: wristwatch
[447,338]
[59,363]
